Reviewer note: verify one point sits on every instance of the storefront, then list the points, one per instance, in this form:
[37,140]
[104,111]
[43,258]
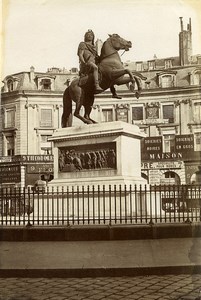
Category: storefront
[25,170]
[175,167]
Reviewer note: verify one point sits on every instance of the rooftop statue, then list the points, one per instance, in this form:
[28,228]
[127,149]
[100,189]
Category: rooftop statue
[97,74]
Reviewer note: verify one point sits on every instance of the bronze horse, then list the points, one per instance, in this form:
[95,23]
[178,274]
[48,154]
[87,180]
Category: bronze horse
[111,72]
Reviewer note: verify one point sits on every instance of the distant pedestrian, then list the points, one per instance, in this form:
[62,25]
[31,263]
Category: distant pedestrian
[196,177]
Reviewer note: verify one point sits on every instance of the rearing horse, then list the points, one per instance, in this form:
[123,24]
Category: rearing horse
[111,72]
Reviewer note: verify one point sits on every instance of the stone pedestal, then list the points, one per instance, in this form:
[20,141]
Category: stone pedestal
[97,154]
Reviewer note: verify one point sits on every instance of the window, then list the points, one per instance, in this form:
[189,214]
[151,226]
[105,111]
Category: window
[173,177]
[10,118]
[137,113]
[168,112]
[197,139]
[10,85]
[167,81]
[197,78]
[10,145]
[169,143]
[45,145]
[46,118]
[151,64]
[107,115]
[46,84]
[197,112]
[168,63]
[139,66]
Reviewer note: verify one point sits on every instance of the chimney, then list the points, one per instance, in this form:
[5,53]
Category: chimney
[32,75]
[185,44]
[181,22]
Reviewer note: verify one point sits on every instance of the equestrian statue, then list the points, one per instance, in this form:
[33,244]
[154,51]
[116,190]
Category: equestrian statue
[97,74]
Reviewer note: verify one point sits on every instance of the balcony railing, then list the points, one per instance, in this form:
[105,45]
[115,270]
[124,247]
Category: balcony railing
[100,205]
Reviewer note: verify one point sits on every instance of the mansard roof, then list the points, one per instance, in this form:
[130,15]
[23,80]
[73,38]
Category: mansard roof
[29,80]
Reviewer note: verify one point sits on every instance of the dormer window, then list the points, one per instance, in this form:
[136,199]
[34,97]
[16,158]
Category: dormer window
[167,79]
[168,63]
[46,84]
[139,66]
[151,64]
[195,77]
[10,85]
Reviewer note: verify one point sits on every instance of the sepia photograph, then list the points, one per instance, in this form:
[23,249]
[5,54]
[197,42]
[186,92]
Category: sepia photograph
[100,150]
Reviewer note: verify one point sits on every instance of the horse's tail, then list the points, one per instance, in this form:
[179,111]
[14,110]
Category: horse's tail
[66,119]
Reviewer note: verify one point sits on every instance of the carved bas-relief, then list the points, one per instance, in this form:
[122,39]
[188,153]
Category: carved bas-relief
[86,158]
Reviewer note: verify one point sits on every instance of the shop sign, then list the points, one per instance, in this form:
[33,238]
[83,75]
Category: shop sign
[37,158]
[167,181]
[162,165]
[152,145]
[9,174]
[40,168]
[154,177]
[184,142]
[27,158]
[168,155]
[4,159]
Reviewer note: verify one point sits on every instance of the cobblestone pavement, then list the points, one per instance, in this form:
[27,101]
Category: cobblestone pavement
[165,287]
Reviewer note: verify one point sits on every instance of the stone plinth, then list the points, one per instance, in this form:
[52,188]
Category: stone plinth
[97,154]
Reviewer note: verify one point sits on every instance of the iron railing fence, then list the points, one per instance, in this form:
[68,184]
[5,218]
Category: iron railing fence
[101,205]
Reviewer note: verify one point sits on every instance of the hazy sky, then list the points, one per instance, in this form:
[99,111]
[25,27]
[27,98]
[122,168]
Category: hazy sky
[46,33]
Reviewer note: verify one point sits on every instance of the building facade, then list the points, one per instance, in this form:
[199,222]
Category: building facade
[168,112]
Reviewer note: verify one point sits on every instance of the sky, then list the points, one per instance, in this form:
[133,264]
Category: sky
[46,33]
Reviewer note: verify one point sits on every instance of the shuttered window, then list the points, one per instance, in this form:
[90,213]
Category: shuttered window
[107,115]
[10,118]
[168,113]
[137,113]
[46,118]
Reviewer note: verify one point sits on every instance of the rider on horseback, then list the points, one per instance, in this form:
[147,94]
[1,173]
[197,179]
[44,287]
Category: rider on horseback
[88,59]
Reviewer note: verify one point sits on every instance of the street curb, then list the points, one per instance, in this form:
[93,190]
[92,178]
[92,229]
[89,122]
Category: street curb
[99,232]
[100,272]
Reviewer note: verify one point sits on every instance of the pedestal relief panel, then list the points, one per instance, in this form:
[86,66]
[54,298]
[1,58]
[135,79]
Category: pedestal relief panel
[97,154]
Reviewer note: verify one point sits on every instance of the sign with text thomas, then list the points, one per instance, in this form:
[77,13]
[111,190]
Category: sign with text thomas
[184,143]
[151,145]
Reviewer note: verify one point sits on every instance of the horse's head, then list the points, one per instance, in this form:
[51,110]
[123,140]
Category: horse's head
[119,43]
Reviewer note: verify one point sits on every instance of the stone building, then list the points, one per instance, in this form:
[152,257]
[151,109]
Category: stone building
[168,112]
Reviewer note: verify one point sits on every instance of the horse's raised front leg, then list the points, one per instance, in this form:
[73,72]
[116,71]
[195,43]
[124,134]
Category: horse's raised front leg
[138,92]
[119,79]
[117,73]
[126,80]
